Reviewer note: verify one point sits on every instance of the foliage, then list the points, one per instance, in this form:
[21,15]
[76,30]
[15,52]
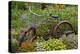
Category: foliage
[22,18]
[46,26]
[65,12]
[51,44]
[27,46]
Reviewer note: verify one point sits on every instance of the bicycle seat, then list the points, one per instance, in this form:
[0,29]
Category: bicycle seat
[55,17]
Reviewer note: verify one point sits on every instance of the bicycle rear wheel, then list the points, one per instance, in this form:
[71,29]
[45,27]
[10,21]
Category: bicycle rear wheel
[64,27]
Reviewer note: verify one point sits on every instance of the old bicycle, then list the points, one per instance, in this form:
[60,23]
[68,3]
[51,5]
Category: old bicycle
[55,32]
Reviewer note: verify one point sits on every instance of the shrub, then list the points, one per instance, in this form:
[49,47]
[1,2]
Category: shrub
[51,44]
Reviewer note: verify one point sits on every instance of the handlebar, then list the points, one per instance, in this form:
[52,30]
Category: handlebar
[49,14]
[34,12]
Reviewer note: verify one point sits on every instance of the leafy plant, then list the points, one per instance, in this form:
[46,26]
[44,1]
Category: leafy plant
[52,44]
